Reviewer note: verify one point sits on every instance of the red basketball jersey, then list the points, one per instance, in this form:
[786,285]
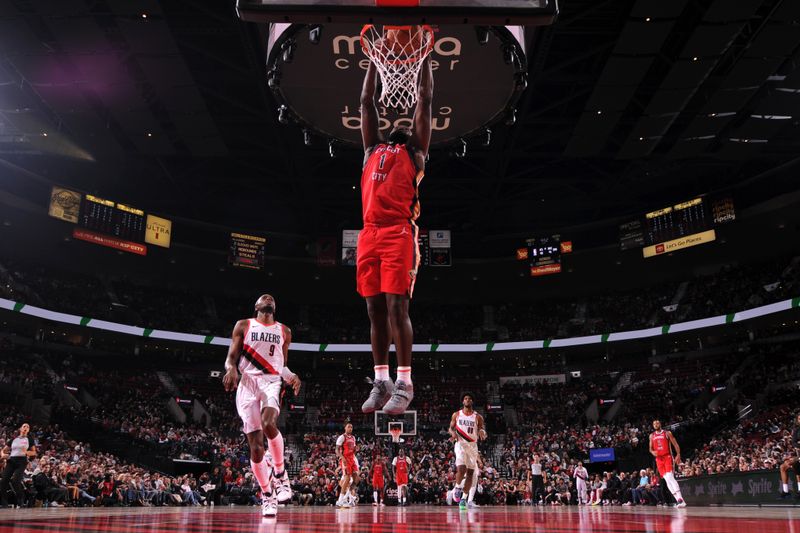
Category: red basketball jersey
[660,443]
[349,446]
[377,472]
[389,186]
[401,469]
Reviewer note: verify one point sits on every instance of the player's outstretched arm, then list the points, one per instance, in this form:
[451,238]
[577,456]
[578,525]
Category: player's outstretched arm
[421,140]
[370,134]
[231,378]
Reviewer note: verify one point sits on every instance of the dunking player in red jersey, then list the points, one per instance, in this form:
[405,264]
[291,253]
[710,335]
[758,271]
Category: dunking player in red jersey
[402,466]
[259,350]
[660,441]
[346,453]
[388,254]
[378,479]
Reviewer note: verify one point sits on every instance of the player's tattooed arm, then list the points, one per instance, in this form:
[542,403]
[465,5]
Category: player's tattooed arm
[231,378]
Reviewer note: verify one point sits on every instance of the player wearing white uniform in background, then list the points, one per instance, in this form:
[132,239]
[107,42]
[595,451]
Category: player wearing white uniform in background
[581,478]
[466,427]
[259,350]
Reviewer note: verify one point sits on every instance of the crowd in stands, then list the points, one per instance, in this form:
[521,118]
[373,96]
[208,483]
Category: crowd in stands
[732,288]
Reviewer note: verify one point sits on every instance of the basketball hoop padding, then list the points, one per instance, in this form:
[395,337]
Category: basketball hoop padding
[397,3]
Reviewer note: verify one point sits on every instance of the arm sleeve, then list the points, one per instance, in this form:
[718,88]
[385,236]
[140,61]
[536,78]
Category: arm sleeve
[394,461]
[340,440]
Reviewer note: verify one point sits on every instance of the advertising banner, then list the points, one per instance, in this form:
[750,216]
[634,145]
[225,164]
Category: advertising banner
[679,244]
[64,204]
[158,231]
[739,488]
[349,246]
[111,242]
[533,379]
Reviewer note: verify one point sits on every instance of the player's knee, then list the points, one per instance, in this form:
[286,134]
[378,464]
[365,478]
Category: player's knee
[398,309]
[376,311]
[257,453]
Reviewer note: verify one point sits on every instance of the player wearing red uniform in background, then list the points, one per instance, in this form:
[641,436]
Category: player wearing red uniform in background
[378,479]
[661,442]
[388,253]
[402,467]
[346,453]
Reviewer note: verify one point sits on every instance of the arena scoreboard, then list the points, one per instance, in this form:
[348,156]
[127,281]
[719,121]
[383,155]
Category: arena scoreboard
[543,254]
[677,226]
[111,218]
[246,251]
[109,223]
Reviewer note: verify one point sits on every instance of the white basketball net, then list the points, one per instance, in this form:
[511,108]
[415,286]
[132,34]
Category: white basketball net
[398,64]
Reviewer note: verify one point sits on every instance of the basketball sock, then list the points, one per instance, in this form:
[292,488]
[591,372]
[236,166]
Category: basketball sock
[375,496]
[382,373]
[471,494]
[276,451]
[261,472]
[404,374]
[785,487]
[673,486]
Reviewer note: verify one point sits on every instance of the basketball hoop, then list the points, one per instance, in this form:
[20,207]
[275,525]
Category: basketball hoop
[395,433]
[398,53]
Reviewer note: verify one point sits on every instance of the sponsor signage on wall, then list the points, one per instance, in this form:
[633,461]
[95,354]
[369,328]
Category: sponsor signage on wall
[679,244]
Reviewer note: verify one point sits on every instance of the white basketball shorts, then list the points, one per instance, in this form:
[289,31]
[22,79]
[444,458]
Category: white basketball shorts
[255,393]
[467,454]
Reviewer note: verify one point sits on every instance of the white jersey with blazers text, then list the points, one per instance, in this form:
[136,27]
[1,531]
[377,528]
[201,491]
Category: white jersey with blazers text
[466,447]
[262,349]
[260,366]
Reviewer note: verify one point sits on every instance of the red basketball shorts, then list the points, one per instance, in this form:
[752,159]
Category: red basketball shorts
[664,464]
[349,466]
[377,483]
[402,479]
[388,258]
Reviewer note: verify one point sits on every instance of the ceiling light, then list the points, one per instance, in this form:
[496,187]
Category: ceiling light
[599,112]
[44,134]
[149,134]
[641,138]
[144,15]
[647,19]
[694,58]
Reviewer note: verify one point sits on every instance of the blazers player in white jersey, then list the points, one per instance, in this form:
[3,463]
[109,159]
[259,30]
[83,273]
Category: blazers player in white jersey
[259,350]
[466,427]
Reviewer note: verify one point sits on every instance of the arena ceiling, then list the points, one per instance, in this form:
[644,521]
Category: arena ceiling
[631,104]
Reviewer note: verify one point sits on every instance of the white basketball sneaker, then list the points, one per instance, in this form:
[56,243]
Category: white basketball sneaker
[269,507]
[283,487]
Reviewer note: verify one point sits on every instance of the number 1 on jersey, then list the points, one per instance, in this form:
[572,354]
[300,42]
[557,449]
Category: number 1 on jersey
[382,161]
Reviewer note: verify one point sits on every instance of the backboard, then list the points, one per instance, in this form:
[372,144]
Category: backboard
[479,75]
[470,12]
[407,420]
